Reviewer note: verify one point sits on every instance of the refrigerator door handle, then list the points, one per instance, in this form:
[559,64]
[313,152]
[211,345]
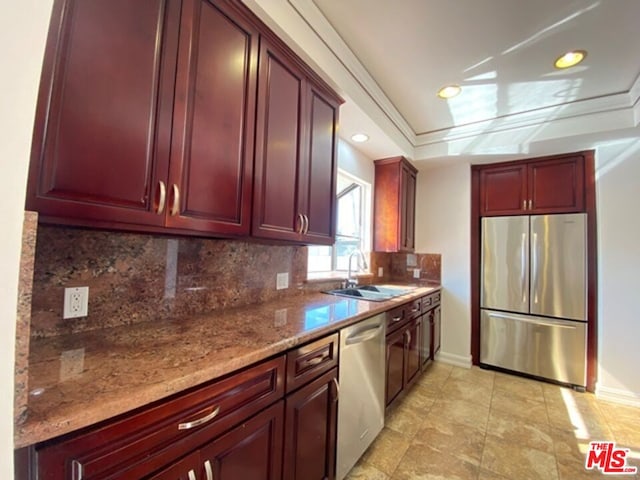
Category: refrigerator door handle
[534,267]
[534,322]
[523,267]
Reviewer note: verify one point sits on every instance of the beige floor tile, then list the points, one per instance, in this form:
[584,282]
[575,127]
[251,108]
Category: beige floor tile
[520,431]
[474,375]
[386,451]
[516,461]
[405,420]
[583,417]
[489,475]
[506,402]
[522,387]
[363,471]
[423,463]
[461,411]
[463,390]
[446,437]
[421,398]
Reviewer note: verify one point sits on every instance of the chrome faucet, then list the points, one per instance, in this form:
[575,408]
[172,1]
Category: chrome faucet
[352,282]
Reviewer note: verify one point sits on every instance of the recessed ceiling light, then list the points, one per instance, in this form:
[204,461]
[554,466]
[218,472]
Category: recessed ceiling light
[359,137]
[570,59]
[449,91]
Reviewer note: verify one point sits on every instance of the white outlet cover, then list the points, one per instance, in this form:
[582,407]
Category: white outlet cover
[76,302]
[380,271]
[282,280]
[416,273]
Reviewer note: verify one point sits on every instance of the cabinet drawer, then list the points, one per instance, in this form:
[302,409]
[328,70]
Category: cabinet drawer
[414,308]
[396,317]
[141,443]
[430,301]
[309,361]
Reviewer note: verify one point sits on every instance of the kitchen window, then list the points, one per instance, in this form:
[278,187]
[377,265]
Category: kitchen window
[352,228]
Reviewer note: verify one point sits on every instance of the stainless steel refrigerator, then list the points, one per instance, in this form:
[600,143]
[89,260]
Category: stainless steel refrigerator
[533,300]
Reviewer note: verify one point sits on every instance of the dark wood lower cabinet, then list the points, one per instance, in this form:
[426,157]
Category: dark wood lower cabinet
[252,450]
[185,469]
[395,365]
[412,352]
[310,430]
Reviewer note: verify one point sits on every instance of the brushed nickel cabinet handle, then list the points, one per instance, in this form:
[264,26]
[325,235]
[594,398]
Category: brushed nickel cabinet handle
[163,197]
[77,470]
[306,224]
[396,319]
[300,228]
[175,205]
[192,475]
[524,204]
[530,204]
[335,382]
[312,362]
[208,470]
[408,338]
[200,421]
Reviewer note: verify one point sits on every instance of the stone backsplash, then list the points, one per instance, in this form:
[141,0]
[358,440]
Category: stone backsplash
[140,277]
[399,267]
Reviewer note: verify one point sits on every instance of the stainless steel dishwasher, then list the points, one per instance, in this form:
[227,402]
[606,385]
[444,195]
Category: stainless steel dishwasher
[362,377]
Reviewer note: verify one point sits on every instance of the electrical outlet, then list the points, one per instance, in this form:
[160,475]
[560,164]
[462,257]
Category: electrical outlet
[76,302]
[416,273]
[380,271]
[282,280]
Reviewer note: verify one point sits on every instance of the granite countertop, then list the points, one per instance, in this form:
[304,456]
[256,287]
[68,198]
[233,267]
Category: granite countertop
[81,379]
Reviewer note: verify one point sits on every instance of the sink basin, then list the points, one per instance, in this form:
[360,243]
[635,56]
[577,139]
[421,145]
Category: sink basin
[373,293]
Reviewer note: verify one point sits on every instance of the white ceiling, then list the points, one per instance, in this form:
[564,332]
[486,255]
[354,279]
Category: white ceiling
[388,59]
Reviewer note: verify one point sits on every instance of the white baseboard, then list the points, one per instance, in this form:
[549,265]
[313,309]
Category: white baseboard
[463,361]
[617,395]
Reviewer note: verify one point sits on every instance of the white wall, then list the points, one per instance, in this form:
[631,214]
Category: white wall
[22,34]
[617,182]
[443,215]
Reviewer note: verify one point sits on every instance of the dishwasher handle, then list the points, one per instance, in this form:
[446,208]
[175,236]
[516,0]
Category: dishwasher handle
[368,333]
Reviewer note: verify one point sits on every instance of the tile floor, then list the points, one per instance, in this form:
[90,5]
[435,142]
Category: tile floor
[458,423]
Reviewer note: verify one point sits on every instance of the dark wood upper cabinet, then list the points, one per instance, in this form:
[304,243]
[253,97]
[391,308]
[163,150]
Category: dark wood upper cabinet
[295,167]
[210,175]
[147,117]
[103,121]
[550,185]
[394,205]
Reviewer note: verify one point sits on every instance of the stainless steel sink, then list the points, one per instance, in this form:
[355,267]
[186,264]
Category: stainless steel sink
[373,293]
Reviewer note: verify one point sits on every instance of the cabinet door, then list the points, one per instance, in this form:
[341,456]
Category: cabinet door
[556,186]
[310,430]
[318,189]
[210,179]
[252,450]
[412,350]
[276,212]
[187,468]
[395,364]
[102,131]
[436,331]
[503,190]
[408,210]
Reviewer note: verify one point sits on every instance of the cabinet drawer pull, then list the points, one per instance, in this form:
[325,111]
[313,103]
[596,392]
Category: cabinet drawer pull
[529,204]
[315,361]
[415,309]
[163,197]
[396,319]
[200,421]
[208,470]
[192,475]
[175,205]
[335,382]
[408,338]
[524,204]
[306,224]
